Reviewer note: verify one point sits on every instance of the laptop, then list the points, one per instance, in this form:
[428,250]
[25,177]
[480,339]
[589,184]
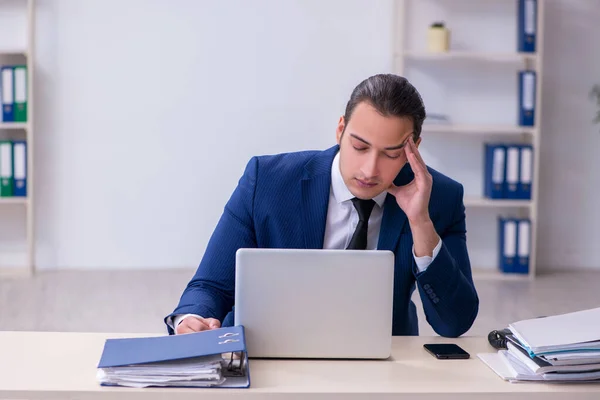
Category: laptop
[296,303]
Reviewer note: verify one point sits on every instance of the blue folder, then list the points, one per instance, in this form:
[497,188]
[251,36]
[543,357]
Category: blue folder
[507,244]
[7,95]
[527,97]
[525,171]
[192,346]
[523,246]
[527,26]
[20,168]
[495,171]
[511,182]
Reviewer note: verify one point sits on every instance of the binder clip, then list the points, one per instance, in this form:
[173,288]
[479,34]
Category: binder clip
[235,365]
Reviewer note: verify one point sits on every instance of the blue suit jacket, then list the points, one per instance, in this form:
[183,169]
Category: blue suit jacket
[281,202]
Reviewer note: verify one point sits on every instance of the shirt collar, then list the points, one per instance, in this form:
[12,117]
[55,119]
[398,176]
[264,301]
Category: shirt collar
[340,190]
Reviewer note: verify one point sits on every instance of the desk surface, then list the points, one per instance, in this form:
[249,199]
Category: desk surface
[55,365]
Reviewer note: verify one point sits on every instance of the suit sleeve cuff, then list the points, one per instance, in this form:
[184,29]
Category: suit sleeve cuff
[174,321]
[425,261]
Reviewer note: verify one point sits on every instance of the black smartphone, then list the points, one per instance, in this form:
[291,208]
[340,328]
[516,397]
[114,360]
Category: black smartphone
[446,351]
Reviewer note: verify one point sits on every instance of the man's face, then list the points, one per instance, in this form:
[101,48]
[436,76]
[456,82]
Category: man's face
[372,150]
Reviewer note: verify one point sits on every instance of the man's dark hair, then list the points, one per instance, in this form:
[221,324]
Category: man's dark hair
[390,95]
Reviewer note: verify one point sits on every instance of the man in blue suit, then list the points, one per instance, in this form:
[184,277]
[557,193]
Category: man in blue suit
[370,191]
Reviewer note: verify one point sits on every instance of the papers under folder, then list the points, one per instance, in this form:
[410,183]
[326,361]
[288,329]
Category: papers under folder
[215,358]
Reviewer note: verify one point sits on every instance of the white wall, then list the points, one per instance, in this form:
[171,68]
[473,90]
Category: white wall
[147,112]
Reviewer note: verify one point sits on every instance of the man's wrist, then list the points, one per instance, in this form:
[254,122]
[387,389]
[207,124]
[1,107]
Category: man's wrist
[420,222]
[425,238]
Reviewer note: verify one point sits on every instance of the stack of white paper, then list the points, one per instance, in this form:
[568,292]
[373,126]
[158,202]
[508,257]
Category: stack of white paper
[575,331]
[197,372]
[561,348]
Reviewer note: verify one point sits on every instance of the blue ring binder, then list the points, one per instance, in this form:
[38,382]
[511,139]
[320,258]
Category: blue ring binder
[223,350]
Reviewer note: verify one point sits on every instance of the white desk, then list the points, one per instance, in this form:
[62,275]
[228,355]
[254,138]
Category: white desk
[40,365]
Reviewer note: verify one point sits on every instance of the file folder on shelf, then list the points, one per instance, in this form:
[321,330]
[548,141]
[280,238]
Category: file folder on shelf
[20,168]
[6,169]
[525,172]
[523,246]
[20,93]
[215,358]
[512,172]
[514,245]
[7,94]
[495,171]
[527,26]
[527,94]
[507,241]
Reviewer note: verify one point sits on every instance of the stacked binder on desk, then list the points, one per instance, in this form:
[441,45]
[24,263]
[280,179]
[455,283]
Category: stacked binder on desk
[215,358]
[561,348]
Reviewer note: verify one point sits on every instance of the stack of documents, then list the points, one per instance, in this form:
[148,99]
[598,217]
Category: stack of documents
[195,373]
[561,348]
[202,359]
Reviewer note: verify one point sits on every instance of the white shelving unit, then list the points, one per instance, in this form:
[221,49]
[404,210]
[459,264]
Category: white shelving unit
[13,125]
[23,131]
[485,202]
[478,129]
[470,56]
[489,49]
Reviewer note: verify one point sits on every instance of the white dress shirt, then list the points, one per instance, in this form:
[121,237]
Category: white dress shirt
[341,222]
[342,218]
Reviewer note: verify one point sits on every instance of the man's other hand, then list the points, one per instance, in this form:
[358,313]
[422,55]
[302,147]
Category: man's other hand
[193,324]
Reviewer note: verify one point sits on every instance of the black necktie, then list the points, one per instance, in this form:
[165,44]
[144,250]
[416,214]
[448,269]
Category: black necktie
[363,208]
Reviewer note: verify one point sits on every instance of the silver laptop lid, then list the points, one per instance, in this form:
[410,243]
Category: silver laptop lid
[298,303]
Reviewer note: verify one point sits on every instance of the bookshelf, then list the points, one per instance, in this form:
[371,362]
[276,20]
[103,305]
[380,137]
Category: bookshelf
[14,52]
[474,85]
[478,129]
[470,56]
[10,206]
[13,200]
[12,125]
[473,201]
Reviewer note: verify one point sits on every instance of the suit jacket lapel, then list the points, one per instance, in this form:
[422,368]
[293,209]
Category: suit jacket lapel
[315,188]
[394,219]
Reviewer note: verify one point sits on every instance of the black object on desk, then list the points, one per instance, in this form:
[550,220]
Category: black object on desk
[446,351]
[497,338]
